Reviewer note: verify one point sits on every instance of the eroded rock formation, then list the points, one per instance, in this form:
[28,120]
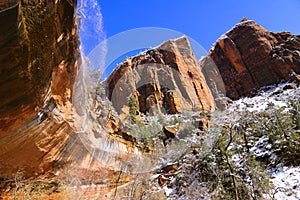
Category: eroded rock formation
[166,78]
[250,57]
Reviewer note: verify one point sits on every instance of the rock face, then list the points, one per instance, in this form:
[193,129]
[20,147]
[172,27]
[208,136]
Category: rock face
[40,62]
[249,57]
[38,56]
[165,79]
[37,50]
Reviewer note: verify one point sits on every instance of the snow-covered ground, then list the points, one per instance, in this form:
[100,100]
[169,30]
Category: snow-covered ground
[286,183]
[272,95]
[286,180]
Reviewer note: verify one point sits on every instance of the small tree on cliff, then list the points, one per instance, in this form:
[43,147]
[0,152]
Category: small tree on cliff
[132,103]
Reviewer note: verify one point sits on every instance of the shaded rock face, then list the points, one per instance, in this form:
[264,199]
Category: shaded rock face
[165,79]
[249,57]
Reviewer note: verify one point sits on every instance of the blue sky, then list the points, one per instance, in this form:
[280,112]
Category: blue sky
[204,21]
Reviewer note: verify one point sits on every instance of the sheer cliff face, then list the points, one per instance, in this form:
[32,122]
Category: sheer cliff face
[167,78]
[39,59]
[38,53]
[249,57]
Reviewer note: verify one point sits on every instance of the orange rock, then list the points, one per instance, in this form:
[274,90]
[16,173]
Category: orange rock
[37,77]
[167,76]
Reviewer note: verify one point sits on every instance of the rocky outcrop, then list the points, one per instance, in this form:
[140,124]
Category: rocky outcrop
[249,57]
[165,79]
[45,129]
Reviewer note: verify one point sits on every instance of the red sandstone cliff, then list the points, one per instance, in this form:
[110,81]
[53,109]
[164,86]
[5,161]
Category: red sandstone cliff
[249,57]
[168,77]
[38,56]
[40,62]
[38,47]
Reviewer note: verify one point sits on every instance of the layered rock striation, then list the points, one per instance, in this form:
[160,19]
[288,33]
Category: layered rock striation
[39,59]
[40,64]
[38,48]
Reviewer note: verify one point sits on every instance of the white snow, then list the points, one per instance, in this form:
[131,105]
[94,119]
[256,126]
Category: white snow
[260,148]
[286,180]
[269,95]
[287,183]
[237,160]
[258,103]
[155,176]
[169,191]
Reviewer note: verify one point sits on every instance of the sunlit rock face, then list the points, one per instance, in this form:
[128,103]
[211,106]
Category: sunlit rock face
[38,56]
[38,49]
[249,57]
[166,78]
[42,130]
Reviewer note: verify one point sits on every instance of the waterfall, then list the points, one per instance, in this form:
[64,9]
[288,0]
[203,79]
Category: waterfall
[109,152]
[91,25]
